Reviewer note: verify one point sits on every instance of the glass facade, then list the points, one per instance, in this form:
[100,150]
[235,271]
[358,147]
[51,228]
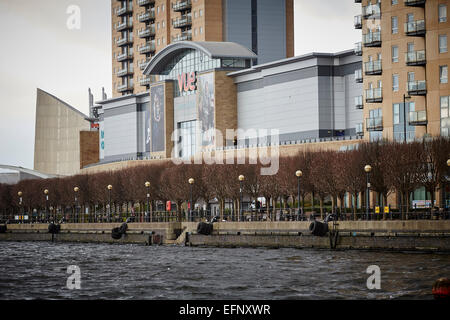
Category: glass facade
[187,139]
[445,116]
[399,121]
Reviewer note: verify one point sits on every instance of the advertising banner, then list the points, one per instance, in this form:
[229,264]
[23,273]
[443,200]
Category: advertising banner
[148,134]
[206,108]
[157,119]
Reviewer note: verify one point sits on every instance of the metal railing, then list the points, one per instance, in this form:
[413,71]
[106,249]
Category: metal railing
[358,75]
[146,16]
[147,47]
[145,2]
[414,3]
[185,36]
[180,6]
[418,117]
[415,58]
[372,11]
[183,21]
[374,124]
[374,95]
[372,67]
[359,129]
[147,32]
[416,87]
[372,39]
[358,22]
[415,27]
[358,48]
[359,102]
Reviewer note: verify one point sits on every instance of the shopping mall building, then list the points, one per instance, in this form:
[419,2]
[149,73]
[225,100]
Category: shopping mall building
[210,96]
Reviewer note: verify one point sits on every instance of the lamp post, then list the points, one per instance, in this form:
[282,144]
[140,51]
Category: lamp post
[147,185]
[76,189]
[368,169]
[20,200]
[446,184]
[46,203]
[405,97]
[191,183]
[241,211]
[298,173]
[109,200]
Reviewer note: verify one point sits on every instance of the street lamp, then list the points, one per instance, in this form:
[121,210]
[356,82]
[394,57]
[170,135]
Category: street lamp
[46,203]
[109,195]
[445,191]
[76,189]
[147,185]
[241,180]
[405,97]
[298,173]
[20,200]
[367,169]
[191,183]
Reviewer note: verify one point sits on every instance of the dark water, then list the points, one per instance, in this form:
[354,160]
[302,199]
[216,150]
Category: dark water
[39,270]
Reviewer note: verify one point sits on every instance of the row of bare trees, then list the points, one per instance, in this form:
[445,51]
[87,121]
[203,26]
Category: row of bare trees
[396,167]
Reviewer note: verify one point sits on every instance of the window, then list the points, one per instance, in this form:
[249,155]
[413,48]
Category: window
[395,82]
[396,113]
[201,12]
[157,26]
[163,24]
[394,2]
[163,7]
[409,18]
[394,53]
[201,30]
[443,74]
[195,31]
[163,40]
[442,13]
[443,43]
[157,9]
[411,47]
[394,25]
[444,107]
[195,14]
[159,42]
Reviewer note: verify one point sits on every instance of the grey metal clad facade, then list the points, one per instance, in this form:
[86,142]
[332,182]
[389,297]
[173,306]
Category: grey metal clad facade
[305,97]
[238,22]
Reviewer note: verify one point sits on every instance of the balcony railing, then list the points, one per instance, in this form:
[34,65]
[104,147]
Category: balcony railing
[415,3]
[124,56]
[144,81]
[374,95]
[124,10]
[372,11]
[143,64]
[373,67]
[358,49]
[181,6]
[124,41]
[358,1]
[359,102]
[358,22]
[148,47]
[374,124]
[359,129]
[125,71]
[417,88]
[415,28]
[416,58]
[143,3]
[372,39]
[182,22]
[185,36]
[358,76]
[147,32]
[418,118]
[124,25]
[146,16]
[125,87]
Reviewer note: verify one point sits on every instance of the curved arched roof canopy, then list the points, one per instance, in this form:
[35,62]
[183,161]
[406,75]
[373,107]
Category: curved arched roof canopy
[214,50]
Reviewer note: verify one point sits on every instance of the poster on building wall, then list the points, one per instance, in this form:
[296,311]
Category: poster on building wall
[157,119]
[206,108]
[148,135]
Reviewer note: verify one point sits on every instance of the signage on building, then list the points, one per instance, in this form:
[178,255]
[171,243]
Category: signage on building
[168,206]
[187,82]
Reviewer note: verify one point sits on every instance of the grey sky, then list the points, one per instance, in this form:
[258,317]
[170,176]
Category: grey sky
[39,51]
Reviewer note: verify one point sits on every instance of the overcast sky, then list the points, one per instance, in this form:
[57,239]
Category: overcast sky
[38,50]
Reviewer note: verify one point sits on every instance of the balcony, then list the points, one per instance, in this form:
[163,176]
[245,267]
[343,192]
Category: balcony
[372,39]
[184,36]
[124,25]
[124,72]
[374,124]
[418,118]
[182,6]
[359,129]
[372,11]
[144,81]
[416,58]
[358,22]
[124,41]
[182,22]
[144,3]
[358,49]
[147,32]
[125,87]
[124,56]
[358,1]
[359,102]
[374,95]
[417,88]
[124,10]
[415,3]
[415,28]
[358,76]
[143,64]
[147,16]
[372,68]
[147,48]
